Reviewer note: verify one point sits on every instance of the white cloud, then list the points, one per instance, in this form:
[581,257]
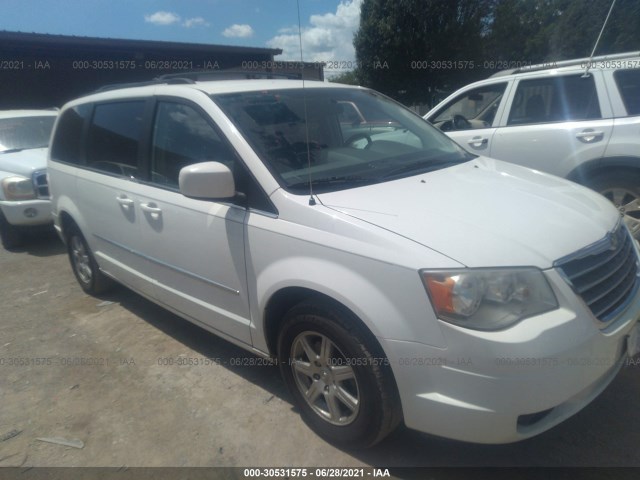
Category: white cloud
[329,37]
[238,31]
[195,22]
[162,18]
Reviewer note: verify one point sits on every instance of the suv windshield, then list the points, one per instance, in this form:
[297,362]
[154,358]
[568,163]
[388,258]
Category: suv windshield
[20,133]
[335,148]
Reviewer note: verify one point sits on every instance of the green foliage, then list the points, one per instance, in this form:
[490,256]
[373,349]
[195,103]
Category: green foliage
[396,34]
[411,49]
[348,78]
[541,30]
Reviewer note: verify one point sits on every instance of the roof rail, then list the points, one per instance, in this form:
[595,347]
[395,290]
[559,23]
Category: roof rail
[565,63]
[182,78]
[204,75]
[155,81]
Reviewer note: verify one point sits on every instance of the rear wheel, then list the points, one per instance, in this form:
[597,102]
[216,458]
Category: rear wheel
[623,190]
[84,266]
[338,376]
[10,235]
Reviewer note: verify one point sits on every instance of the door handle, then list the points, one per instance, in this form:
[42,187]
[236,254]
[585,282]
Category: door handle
[589,135]
[150,208]
[477,142]
[125,201]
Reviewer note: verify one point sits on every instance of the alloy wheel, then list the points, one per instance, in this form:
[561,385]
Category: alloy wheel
[628,203]
[325,378]
[81,261]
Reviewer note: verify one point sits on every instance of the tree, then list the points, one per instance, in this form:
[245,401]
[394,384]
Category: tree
[410,49]
[349,78]
[407,48]
[520,30]
[577,28]
[534,31]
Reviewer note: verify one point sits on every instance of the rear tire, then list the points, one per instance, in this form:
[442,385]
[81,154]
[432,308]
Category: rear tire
[10,235]
[338,375]
[623,190]
[84,265]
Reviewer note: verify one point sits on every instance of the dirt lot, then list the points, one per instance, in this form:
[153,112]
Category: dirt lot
[115,374]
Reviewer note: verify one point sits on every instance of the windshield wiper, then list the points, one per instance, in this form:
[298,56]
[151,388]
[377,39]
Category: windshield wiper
[423,166]
[14,150]
[345,180]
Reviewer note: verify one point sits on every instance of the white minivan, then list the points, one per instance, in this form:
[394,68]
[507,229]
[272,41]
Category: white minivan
[392,275]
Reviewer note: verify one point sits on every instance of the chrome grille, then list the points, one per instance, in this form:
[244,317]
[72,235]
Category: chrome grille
[40,183]
[605,274]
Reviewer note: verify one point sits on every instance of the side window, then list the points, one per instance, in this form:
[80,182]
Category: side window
[67,145]
[473,109]
[181,137]
[114,137]
[629,86]
[547,100]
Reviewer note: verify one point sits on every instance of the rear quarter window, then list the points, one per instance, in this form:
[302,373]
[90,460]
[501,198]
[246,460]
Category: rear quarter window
[554,99]
[67,142]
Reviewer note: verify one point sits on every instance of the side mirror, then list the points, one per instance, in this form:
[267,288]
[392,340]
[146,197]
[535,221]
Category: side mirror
[207,180]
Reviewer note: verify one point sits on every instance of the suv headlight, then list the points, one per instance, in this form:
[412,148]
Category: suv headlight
[18,188]
[488,299]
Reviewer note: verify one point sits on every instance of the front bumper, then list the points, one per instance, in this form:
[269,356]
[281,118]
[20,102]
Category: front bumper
[506,386]
[27,212]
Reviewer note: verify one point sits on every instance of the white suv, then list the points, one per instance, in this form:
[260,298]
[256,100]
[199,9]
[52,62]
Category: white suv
[24,193]
[578,119]
[389,273]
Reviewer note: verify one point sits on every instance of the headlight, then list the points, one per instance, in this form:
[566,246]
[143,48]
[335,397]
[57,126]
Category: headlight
[488,299]
[18,188]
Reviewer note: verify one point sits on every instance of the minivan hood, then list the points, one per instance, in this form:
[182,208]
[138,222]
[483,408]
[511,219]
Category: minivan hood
[484,213]
[24,162]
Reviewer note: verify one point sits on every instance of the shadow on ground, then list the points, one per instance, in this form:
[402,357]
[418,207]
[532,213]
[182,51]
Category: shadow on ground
[605,434]
[41,244]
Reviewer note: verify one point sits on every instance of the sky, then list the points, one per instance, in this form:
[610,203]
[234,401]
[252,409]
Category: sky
[327,25]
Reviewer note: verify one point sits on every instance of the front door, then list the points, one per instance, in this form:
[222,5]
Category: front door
[195,248]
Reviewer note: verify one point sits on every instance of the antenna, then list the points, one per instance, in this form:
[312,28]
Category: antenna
[312,200]
[586,72]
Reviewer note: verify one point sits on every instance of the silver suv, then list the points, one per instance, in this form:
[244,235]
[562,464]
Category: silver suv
[578,119]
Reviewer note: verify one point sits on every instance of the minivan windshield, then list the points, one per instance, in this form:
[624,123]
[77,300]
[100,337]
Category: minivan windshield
[21,133]
[314,134]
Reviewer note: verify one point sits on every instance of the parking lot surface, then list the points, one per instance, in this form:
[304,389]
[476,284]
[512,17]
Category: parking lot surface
[134,385]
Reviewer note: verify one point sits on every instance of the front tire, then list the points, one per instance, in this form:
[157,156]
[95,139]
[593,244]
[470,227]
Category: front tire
[339,377]
[10,235]
[623,190]
[84,265]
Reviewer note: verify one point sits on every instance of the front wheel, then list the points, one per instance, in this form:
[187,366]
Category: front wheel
[623,190]
[338,376]
[84,266]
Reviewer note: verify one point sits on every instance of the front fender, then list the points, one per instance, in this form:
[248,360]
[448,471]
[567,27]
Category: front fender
[390,300]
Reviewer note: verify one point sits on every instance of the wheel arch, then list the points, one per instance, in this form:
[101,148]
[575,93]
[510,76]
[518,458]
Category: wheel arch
[67,223]
[68,217]
[286,298]
[585,173]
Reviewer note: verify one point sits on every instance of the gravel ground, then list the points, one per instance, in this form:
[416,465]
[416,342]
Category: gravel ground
[126,380]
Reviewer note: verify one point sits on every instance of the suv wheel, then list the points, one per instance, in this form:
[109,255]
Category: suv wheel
[623,190]
[84,266]
[339,379]
[10,235]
